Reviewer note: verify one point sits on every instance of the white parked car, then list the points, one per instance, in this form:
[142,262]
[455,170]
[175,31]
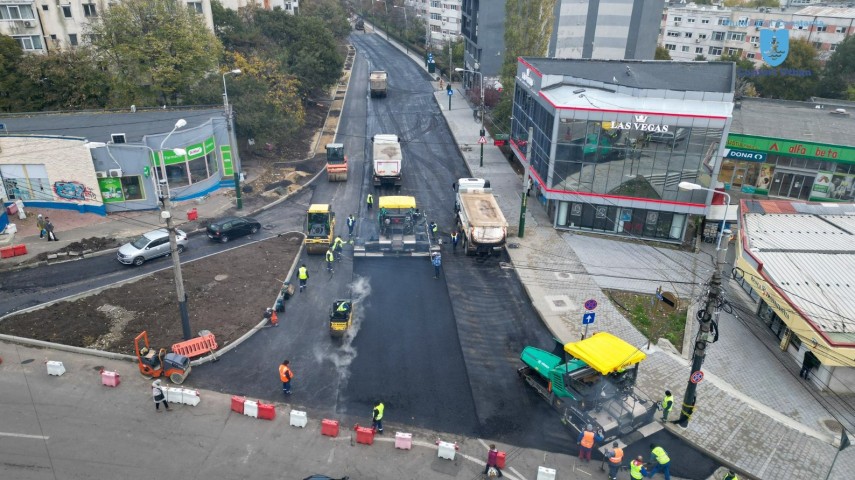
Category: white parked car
[150,245]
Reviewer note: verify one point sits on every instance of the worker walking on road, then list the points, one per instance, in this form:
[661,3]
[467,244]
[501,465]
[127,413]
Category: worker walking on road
[615,456]
[303,275]
[377,417]
[330,258]
[338,245]
[662,461]
[667,403]
[436,260]
[433,230]
[636,468]
[351,222]
[158,395]
[586,442]
[286,375]
[455,237]
[370,201]
[493,463]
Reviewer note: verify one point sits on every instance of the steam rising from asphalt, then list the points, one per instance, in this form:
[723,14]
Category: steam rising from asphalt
[342,356]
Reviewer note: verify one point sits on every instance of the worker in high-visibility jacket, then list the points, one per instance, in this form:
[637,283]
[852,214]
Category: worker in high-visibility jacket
[303,275]
[731,475]
[662,461]
[337,246]
[286,375]
[586,442]
[377,417]
[636,468]
[667,403]
[615,456]
[330,257]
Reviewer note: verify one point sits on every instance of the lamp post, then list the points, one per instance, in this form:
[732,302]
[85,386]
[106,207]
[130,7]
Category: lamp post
[166,214]
[481,164]
[386,18]
[232,137]
[694,186]
[406,27]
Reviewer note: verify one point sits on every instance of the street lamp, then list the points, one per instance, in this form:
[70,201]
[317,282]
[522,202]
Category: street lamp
[695,186]
[406,27]
[481,164]
[166,214]
[232,137]
[427,32]
[386,18]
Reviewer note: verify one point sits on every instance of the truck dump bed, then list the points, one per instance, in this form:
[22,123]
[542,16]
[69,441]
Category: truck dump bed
[485,217]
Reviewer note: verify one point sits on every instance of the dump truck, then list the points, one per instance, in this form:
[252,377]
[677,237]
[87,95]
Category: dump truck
[388,157]
[592,383]
[336,163]
[377,83]
[480,221]
[320,228]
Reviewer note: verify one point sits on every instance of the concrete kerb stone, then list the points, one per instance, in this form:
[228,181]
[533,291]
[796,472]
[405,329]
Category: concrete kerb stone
[65,348]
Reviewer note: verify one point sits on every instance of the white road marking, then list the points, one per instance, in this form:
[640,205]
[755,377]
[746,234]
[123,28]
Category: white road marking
[21,435]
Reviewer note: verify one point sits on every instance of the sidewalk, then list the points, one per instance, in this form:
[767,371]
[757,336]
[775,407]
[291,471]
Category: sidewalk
[730,425]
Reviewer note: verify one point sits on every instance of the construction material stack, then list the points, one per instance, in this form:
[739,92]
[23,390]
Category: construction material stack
[480,221]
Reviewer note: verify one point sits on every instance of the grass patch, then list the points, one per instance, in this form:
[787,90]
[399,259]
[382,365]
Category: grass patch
[652,318]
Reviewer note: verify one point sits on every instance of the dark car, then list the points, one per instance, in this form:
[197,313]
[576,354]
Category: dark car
[225,229]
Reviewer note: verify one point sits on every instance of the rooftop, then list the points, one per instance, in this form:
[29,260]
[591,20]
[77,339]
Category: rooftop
[647,74]
[808,251]
[97,126]
[800,121]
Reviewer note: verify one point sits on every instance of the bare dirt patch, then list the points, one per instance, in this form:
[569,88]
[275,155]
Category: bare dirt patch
[227,295]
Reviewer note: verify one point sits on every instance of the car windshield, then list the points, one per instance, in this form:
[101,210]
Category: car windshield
[140,242]
[215,227]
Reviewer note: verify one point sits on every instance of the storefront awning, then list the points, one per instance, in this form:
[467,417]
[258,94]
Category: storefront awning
[716,213]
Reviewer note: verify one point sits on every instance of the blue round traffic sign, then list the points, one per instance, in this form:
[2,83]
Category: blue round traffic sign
[590,304]
[697,377]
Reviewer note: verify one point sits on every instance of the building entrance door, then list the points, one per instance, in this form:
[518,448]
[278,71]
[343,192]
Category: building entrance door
[781,184]
[738,177]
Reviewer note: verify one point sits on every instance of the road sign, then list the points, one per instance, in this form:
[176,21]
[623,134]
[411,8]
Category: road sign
[482,140]
[588,318]
[697,377]
[449,91]
[591,304]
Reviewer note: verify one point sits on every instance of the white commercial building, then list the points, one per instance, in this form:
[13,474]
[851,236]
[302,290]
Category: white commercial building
[712,31]
[442,16]
[46,25]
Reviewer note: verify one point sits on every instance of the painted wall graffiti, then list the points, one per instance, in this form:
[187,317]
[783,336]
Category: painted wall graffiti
[73,190]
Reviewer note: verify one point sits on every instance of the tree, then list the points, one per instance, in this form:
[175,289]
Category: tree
[700,58]
[744,66]
[331,13]
[661,53]
[16,89]
[267,100]
[70,80]
[839,74]
[155,49]
[787,81]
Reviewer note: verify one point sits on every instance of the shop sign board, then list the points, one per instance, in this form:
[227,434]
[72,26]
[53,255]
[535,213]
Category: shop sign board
[776,146]
[745,155]
[111,189]
[639,124]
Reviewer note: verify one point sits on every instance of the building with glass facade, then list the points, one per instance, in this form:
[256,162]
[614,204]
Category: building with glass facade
[606,143]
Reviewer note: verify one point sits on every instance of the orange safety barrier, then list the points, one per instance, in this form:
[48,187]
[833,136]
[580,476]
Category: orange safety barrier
[196,346]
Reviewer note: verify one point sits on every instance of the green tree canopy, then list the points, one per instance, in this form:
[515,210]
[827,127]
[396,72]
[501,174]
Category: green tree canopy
[332,13]
[839,74]
[155,49]
[16,89]
[784,81]
[71,80]
[661,53]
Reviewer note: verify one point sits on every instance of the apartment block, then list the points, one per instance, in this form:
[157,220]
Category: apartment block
[290,6]
[443,18]
[691,31]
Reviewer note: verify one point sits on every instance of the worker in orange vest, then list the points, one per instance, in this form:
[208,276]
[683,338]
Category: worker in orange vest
[615,456]
[271,316]
[586,442]
[286,375]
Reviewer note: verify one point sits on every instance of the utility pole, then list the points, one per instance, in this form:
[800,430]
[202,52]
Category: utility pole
[166,214]
[701,343]
[232,138]
[523,204]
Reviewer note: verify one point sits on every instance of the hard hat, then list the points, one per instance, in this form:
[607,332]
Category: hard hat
[589,427]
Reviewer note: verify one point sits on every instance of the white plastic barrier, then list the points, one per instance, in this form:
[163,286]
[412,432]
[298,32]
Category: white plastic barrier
[182,395]
[544,473]
[250,408]
[446,450]
[55,368]
[299,419]
[404,441]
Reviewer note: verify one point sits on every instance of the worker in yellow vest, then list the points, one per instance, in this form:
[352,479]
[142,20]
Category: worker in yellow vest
[659,457]
[586,442]
[303,275]
[636,468]
[731,475]
[667,403]
[377,417]
[615,456]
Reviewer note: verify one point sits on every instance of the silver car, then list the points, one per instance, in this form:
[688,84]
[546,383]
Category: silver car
[150,245]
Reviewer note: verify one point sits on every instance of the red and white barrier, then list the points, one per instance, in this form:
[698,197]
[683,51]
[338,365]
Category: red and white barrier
[404,441]
[110,379]
[364,435]
[329,427]
[298,419]
[55,368]
[182,395]
[544,473]
[446,450]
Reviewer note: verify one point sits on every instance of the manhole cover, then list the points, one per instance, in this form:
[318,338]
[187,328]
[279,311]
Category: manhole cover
[559,303]
[221,277]
[29,360]
[562,275]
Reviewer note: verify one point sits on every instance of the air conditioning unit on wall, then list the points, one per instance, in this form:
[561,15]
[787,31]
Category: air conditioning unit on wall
[115,172]
[101,174]
[29,23]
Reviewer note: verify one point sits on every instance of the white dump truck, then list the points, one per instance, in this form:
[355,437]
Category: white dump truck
[387,160]
[480,221]
[377,83]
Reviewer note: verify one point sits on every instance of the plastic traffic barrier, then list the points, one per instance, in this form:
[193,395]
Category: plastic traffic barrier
[182,395]
[55,368]
[364,435]
[110,379]
[500,459]
[250,408]
[299,419]
[20,249]
[329,427]
[446,450]
[266,411]
[404,441]
[544,473]
[237,403]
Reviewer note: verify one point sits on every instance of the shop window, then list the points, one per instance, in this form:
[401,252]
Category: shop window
[213,164]
[26,182]
[198,169]
[132,187]
[177,175]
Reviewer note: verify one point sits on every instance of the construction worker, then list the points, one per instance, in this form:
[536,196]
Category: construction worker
[667,403]
[343,307]
[351,222]
[731,475]
[455,237]
[586,442]
[615,456]
[662,460]
[370,201]
[303,275]
[436,260]
[433,230]
[338,244]
[270,316]
[286,375]
[330,258]
[636,468]
[377,417]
